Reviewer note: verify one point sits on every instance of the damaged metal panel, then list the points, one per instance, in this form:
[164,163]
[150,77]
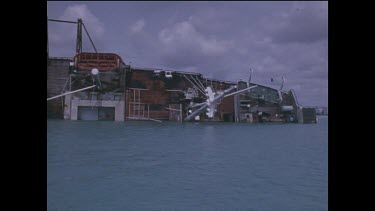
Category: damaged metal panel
[102,61]
[170,95]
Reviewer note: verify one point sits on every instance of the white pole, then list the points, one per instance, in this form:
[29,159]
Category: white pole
[78,90]
[139,102]
[129,103]
[242,90]
[172,109]
[134,102]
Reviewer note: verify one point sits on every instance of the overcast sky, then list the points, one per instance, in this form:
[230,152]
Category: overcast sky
[221,40]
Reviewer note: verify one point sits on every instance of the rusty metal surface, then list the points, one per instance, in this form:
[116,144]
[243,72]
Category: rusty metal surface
[86,61]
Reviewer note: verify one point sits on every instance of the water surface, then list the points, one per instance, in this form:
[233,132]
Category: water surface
[96,165]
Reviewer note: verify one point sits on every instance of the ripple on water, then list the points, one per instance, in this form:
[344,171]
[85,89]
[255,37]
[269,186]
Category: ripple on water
[189,166]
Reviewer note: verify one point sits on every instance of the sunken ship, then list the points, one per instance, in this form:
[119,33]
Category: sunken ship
[102,86]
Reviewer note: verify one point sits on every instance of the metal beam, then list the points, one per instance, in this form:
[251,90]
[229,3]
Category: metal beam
[89,38]
[79,33]
[200,82]
[202,87]
[68,93]
[242,90]
[174,90]
[197,112]
[215,101]
[172,109]
[79,37]
[136,118]
[55,20]
[196,105]
[194,85]
[137,88]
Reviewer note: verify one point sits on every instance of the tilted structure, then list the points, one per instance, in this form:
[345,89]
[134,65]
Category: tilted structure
[101,86]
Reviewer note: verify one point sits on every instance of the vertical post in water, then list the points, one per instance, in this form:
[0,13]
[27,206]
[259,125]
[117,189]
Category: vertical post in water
[181,112]
[236,108]
[134,101]
[129,107]
[139,102]
[70,82]
[125,93]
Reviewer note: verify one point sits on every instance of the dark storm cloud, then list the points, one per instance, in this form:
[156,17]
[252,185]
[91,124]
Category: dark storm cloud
[218,39]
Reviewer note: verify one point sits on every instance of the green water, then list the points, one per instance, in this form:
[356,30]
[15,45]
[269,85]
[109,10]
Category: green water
[95,165]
